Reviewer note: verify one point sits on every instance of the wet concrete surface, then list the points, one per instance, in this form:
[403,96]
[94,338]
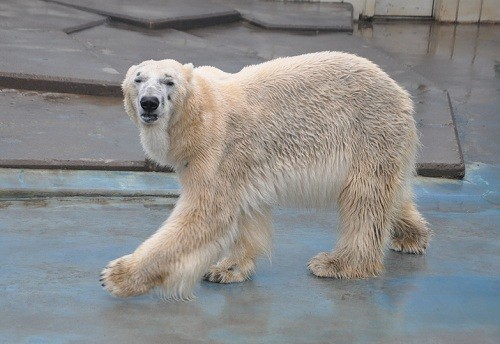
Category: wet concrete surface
[122,47]
[31,59]
[464,59]
[278,15]
[182,14]
[229,47]
[156,14]
[49,130]
[432,109]
[53,249]
[35,51]
[43,16]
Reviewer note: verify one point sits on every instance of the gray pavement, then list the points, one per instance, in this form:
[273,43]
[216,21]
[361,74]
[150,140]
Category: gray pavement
[440,155]
[53,249]
[185,14]
[464,59]
[50,53]
[93,59]
[42,16]
[56,130]
[309,16]
[122,47]
[157,14]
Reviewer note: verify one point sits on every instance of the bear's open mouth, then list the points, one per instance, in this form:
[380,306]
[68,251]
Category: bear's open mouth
[149,117]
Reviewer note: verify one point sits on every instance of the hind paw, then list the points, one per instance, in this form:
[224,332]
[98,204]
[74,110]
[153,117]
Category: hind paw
[224,275]
[409,245]
[327,264]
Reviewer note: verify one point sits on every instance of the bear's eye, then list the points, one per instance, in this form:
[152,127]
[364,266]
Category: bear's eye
[137,80]
[169,83]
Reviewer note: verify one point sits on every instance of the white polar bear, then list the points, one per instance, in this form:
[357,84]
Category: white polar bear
[314,129]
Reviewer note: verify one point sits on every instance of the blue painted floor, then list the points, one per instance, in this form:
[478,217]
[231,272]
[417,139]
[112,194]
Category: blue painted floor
[53,250]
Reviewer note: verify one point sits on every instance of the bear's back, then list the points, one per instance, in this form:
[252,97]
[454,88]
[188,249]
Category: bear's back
[327,80]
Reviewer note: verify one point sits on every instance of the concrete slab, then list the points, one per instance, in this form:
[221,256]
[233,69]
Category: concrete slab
[53,249]
[122,47]
[103,54]
[229,48]
[103,137]
[181,14]
[272,44]
[463,59]
[41,15]
[158,14]
[52,61]
[279,15]
[440,155]
[46,130]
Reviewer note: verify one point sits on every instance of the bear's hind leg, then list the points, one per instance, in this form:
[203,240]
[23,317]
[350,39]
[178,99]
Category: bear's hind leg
[410,233]
[254,238]
[364,220]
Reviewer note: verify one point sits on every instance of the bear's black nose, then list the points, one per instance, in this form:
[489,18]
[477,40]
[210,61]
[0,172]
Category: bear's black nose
[149,103]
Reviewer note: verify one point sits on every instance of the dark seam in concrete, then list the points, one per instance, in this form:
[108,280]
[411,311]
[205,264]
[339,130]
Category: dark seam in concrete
[81,8]
[59,85]
[396,19]
[97,165]
[113,165]
[85,26]
[19,194]
[441,170]
[267,26]
[460,154]
[192,22]
[180,23]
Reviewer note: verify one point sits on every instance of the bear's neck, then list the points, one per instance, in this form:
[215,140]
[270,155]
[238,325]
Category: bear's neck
[193,137]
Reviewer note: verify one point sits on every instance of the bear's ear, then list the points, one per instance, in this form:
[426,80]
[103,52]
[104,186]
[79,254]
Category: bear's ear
[126,88]
[188,69]
[130,73]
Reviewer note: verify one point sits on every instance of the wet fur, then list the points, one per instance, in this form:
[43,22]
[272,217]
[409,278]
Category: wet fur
[311,130]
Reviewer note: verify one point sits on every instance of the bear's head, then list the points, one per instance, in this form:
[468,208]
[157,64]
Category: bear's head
[154,90]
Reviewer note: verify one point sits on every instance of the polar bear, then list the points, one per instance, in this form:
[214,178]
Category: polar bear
[314,130]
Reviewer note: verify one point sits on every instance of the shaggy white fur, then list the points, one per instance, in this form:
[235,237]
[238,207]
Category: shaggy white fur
[313,130]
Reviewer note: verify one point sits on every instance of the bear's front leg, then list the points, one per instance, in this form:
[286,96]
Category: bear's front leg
[177,255]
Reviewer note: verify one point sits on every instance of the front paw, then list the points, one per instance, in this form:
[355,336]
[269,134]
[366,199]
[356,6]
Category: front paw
[120,279]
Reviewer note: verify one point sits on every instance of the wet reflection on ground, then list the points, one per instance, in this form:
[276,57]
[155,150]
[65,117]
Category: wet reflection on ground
[465,60]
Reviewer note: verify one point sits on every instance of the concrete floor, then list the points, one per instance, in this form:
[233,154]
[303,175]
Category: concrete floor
[98,135]
[52,249]
[50,47]
[463,59]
